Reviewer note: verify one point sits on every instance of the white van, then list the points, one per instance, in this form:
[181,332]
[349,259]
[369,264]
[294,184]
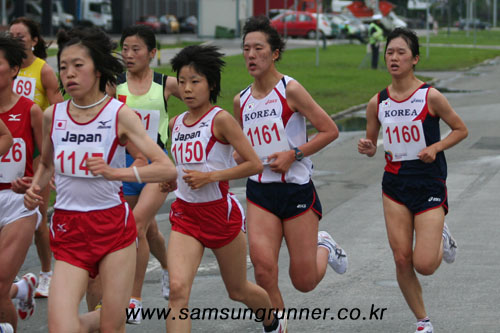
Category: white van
[60,19]
[98,12]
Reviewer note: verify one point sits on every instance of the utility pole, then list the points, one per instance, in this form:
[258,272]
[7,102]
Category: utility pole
[494,13]
[4,12]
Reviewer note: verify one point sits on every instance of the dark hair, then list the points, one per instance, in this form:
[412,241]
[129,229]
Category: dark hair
[261,23]
[13,50]
[206,60]
[409,36]
[142,31]
[100,48]
[40,49]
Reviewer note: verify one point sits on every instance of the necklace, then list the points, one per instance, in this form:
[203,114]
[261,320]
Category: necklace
[91,105]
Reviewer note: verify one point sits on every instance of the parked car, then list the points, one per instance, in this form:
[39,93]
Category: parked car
[188,24]
[151,21]
[461,24]
[169,24]
[60,19]
[302,24]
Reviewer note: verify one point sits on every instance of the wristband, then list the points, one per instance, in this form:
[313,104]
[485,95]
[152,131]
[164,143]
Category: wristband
[136,173]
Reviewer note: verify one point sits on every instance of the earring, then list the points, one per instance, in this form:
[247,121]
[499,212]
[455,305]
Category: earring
[32,48]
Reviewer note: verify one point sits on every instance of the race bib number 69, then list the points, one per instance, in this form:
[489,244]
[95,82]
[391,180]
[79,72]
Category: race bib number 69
[72,161]
[25,86]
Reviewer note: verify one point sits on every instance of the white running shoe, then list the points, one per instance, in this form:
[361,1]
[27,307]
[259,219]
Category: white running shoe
[450,246]
[165,284]
[43,285]
[337,257]
[6,328]
[424,327]
[26,308]
[134,315]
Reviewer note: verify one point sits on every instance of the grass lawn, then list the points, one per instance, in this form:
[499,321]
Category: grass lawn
[339,82]
[483,37]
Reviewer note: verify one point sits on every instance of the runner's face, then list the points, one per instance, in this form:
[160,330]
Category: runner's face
[257,53]
[194,88]
[77,71]
[7,73]
[136,55]
[398,57]
[22,32]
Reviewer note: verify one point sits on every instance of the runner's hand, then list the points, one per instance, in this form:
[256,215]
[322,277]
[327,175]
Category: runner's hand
[196,179]
[168,186]
[282,161]
[366,146]
[99,167]
[427,155]
[32,197]
[20,185]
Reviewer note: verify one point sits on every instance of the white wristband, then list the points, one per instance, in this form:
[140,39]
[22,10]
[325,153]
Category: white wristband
[136,173]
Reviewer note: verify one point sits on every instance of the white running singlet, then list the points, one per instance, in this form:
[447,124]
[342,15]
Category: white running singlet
[77,188]
[262,120]
[194,147]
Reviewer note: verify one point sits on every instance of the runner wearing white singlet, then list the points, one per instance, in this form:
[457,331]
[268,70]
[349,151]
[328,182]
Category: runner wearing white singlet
[282,200]
[92,229]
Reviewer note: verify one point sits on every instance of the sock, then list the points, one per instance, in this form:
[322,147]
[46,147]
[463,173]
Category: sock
[22,289]
[46,274]
[423,320]
[136,298]
[273,326]
[165,271]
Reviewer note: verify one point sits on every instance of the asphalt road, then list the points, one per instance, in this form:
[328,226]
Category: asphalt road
[461,297]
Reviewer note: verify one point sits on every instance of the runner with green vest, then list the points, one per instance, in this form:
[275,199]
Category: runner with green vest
[376,34]
[146,92]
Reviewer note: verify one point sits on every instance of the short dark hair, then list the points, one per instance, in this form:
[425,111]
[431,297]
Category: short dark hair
[142,31]
[409,36]
[100,48]
[261,23]
[206,60]
[40,49]
[13,50]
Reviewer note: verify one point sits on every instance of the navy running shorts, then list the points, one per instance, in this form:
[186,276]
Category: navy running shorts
[285,200]
[419,194]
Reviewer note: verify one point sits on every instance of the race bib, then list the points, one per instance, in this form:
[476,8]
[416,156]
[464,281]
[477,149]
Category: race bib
[72,161]
[13,163]
[151,121]
[267,137]
[189,152]
[25,86]
[403,140]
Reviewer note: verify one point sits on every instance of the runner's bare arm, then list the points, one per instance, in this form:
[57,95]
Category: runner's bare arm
[130,128]
[45,169]
[439,106]
[237,116]
[5,138]
[51,85]
[368,146]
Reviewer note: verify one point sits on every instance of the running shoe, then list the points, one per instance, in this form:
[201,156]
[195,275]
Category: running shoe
[6,328]
[134,315]
[280,329]
[165,284]
[337,257]
[449,246]
[26,307]
[43,285]
[424,327]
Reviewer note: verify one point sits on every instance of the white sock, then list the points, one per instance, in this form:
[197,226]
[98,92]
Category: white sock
[22,289]
[46,274]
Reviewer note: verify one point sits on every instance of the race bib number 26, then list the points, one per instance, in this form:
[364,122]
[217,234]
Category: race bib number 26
[13,162]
